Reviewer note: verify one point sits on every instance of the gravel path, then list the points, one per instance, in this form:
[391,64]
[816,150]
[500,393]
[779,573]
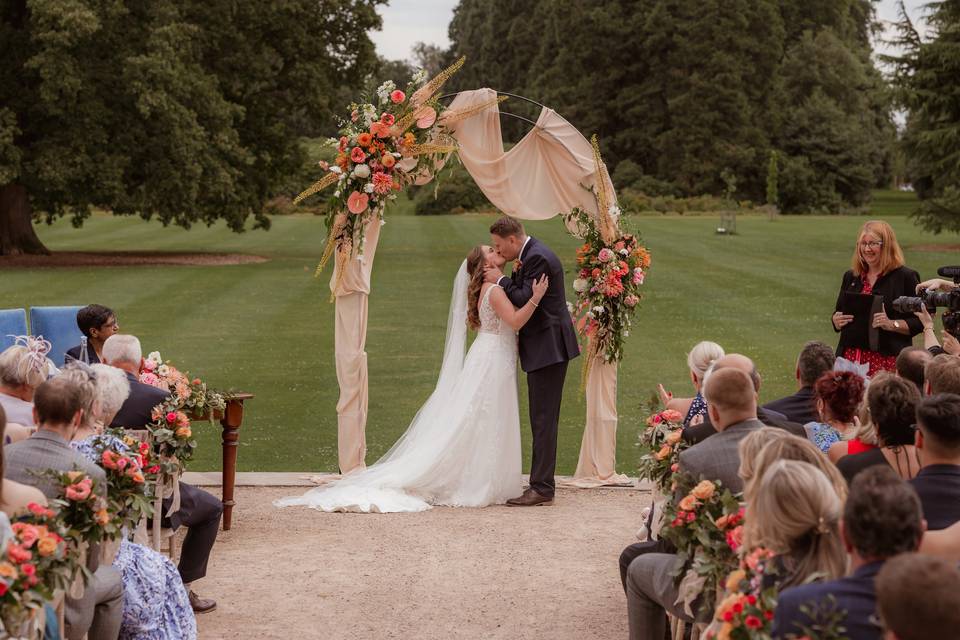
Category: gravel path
[544,572]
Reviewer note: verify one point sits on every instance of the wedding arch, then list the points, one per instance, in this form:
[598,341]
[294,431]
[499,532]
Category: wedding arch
[552,171]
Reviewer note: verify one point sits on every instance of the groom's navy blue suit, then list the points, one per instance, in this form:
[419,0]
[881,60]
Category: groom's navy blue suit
[547,342]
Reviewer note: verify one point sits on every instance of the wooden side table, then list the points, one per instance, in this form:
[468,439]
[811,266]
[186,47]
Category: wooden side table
[230,423]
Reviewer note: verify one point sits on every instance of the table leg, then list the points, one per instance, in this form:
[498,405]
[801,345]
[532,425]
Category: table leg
[232,418]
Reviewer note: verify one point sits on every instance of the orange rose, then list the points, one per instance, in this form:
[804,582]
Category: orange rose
[47,547]
[688,503]
[674,437]
[664,452]
[388,160]
[183,432]
[364,139]
[7,570]
[704,490]
[102,517]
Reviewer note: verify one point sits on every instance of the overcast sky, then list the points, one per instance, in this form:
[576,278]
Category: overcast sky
[408,21]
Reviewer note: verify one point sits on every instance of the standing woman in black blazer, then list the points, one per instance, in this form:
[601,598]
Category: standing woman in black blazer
[878,268]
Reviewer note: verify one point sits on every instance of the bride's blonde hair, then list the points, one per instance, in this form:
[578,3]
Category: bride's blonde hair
[475,262]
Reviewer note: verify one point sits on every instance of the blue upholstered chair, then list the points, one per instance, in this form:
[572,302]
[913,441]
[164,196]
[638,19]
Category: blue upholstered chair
[58,325]
[13,322]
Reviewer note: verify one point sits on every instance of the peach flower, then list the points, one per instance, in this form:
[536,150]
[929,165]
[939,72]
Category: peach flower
[388,161]
[364,139]
[688,503]
[704,490]
[397,96]
[357,202]
[674,437]
[47,547]
[664,452]
[183,432]
[426,117]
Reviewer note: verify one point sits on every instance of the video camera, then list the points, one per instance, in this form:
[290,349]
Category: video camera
[949,300]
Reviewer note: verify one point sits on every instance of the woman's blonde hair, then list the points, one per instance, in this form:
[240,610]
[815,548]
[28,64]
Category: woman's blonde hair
[791,447]
[24,364]
[85,380]
[891,256]
[796,514]
[702,356]
[750,447]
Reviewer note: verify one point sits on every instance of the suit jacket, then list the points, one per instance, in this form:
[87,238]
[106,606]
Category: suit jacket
[548,337]
[902,281]
[74,354]
[717,458]
[136,411]
[800,407]
[47,450]
[854,594]
[700,432]
[938,486]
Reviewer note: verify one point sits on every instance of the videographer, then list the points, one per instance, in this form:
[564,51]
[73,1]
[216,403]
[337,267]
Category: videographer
[950,344]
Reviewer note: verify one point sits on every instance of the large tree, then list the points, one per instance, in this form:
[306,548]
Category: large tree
[184,110]
[927,81]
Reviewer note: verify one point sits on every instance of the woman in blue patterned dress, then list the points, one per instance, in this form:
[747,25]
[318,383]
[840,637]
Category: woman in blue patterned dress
[699,360]
[838,395]
[155,601]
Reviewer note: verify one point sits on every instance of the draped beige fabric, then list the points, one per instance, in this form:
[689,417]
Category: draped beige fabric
[350,338]
[546,173]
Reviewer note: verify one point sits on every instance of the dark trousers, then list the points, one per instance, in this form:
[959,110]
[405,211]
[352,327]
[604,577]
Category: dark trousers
[545,388]
[200,512]
[637,549]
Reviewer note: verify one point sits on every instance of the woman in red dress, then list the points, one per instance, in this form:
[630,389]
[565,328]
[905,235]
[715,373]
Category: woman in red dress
[878,268]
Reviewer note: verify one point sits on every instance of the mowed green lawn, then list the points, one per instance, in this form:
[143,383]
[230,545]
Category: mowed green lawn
[268,328]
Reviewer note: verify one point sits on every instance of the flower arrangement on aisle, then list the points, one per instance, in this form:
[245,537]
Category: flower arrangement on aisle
[396,138]
[82,507]
[660,444]
[611,267]
[131,473]
[173,440]
[35,563]
[706,528]
[190,395]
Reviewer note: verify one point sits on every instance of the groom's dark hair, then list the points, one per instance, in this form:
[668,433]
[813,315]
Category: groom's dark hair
[506,227]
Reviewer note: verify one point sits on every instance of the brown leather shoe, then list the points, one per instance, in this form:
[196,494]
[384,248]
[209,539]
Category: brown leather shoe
[530,498]
[201,605]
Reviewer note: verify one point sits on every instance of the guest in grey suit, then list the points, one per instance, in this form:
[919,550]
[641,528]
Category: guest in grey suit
[57,412]
[732,405]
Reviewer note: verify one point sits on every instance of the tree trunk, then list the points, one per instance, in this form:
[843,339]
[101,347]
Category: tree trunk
[17,235]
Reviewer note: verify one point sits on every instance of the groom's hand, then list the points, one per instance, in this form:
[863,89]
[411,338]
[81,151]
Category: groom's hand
[491,274]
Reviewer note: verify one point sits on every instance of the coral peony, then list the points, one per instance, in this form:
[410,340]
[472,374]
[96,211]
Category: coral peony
[79,491]
[357,154]
[380,130]
[397,96]
[16,553]
[357,202]
[388,119]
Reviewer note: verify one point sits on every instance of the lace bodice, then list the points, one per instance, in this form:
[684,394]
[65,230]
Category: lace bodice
[490,322]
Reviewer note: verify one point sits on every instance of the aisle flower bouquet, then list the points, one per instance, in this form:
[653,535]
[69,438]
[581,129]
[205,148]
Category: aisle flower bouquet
[660,444]
[189,394]
[610,274]
[706,528]
[173,439]
[82,508]
[130,474]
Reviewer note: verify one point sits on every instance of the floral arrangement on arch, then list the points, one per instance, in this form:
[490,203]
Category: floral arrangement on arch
[396,138]
[661,443]
[189,394]
[36,562]
[706,527]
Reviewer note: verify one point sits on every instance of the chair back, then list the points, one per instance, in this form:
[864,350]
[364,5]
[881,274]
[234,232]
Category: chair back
[58,325]
[13,322]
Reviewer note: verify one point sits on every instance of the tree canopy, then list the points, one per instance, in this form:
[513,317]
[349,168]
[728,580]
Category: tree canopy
[186,111]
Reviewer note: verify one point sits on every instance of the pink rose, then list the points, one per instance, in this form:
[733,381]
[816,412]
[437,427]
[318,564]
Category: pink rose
[150,379]
[122,463]
[149,365]
[631,300]
[388,119]
[638,276]
[397,96]
[171,417]
[426,117]
[357,202]
[16,553]
[605,255]
[357,155]
[79,491]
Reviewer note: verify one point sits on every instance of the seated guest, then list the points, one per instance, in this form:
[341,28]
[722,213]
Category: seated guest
[942,375]
[97,323]
[918,598]
[838,395]
[23,367]
[893,407]
[14,497]
[749,451]
[732,405]
[699,360]
[938,441]
[880,520]
[787,448]
[731,402]
[156,605]
[910,365]
[864,438]
[815,359]
[697,433]
[58,412]
[199,511]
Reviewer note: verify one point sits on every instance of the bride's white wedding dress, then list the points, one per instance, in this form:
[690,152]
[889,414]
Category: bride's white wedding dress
[463,447]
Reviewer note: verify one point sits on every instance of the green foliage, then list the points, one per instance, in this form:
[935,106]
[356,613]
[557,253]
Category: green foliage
[689,89]
[453,191]
[773,195]
[184,111]
[927,81]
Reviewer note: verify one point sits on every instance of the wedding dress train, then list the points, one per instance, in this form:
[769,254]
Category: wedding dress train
[463,447]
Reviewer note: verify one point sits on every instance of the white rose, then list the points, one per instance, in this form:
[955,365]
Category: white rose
[623,252]
[368,187]
[155,356]
[580,285]
[361,171]
[598,309]
[163,370]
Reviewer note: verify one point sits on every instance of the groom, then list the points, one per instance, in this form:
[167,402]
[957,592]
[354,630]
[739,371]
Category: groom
[547,343]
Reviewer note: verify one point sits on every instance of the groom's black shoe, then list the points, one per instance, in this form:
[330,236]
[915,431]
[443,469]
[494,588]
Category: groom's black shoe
[530,498]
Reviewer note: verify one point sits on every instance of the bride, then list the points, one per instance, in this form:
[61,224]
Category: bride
[463,447]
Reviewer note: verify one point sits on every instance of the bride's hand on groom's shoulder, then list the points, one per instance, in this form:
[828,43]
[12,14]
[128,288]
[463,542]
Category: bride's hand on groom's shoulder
[491,274]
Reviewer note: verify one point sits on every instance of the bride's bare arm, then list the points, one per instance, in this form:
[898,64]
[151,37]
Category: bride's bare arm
[514,317]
